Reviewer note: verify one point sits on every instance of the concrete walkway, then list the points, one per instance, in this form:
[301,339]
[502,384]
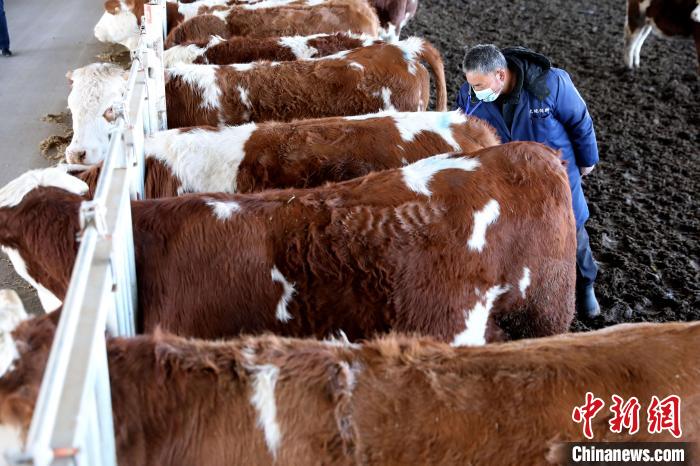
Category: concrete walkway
[48,38]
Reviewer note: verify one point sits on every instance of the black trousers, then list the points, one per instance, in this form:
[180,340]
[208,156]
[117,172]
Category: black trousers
[4,35]
[586,268]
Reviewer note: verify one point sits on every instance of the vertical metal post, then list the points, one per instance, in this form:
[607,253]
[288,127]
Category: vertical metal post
[103,403]
[137,126]
[155,16]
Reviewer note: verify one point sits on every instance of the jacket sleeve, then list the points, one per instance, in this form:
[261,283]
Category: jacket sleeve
[572,112]
[460,102]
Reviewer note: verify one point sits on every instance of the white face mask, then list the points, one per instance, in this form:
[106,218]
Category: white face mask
[487,95]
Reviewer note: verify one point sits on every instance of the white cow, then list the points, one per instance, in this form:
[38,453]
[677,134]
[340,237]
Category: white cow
[95,90]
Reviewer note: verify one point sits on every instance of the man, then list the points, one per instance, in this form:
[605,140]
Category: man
[519,92]
[4,34]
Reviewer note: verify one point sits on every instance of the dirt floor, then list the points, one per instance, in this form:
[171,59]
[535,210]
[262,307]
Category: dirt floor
[645,222]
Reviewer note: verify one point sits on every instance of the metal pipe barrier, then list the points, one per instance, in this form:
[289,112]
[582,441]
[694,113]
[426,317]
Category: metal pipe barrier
[72,422]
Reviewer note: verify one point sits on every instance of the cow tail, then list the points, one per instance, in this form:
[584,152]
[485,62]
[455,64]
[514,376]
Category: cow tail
[432,56]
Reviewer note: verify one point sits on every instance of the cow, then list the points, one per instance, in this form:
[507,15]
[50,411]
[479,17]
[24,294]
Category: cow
[241,49]
[379,77]
[394,400]
[393,16]
[331,16]
[466,249]
[121,21]
[679,18]
[302,154]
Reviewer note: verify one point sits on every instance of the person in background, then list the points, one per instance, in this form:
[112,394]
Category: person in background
[520,94]
[4,34]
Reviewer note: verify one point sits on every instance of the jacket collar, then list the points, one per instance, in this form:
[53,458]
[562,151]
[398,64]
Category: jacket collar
[531,70]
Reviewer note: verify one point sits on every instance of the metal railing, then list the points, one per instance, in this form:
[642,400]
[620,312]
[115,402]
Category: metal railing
[72,422]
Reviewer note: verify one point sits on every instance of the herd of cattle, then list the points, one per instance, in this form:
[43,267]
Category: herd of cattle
[305,192]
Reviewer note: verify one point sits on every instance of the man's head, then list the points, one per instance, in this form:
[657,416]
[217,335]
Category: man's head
[486,71]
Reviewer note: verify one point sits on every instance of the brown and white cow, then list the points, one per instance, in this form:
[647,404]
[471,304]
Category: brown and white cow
[121,20]
[679,18]
[330,16]
[218,51]
[301,154]
[394,400]
[466,249]
[11,195]
[379,77]
[393,16]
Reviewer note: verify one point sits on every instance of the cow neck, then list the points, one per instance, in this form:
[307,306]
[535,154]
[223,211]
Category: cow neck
[47,224]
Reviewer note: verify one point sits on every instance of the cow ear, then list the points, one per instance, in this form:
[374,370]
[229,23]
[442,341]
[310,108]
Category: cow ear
[110,115]
[69,77]
[112,6]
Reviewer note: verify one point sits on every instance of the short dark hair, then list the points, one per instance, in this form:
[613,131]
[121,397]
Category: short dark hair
[483,58]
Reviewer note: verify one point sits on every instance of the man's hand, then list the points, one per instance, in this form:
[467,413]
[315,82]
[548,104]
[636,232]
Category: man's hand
[586,170]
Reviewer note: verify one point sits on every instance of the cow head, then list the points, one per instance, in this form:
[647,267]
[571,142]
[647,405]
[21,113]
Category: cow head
[41,248]
[120,23]
[12,313]
[24,347]
[95,89]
